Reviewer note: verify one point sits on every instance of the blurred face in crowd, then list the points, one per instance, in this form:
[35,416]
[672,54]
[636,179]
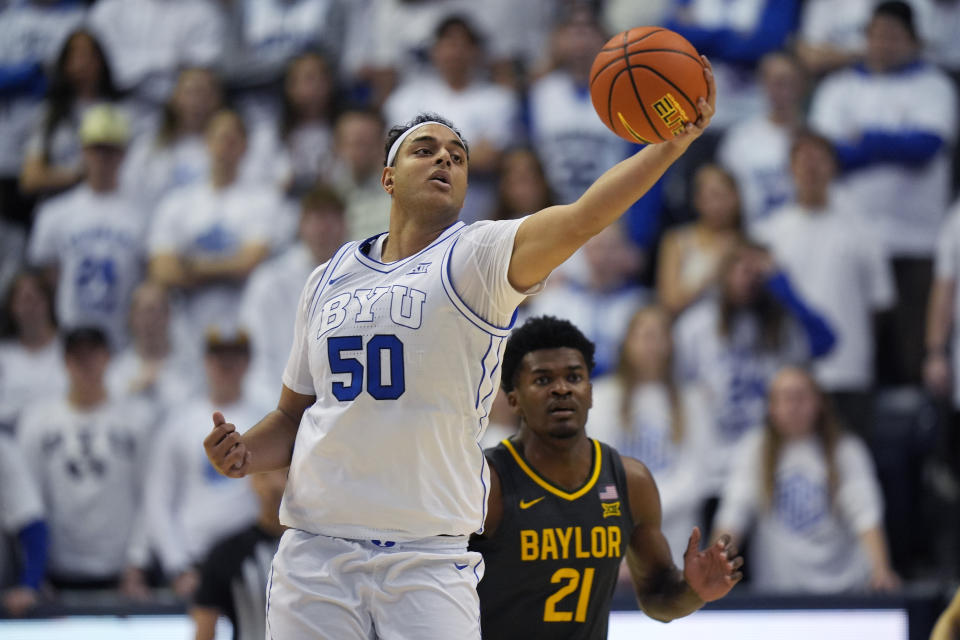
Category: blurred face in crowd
[743,277]
[226,139]
[889,44]
[30,305]
[612,258]
[101,163]
[322,229]
[309,85]
[83,63]
[648,344]
[195,99]
[783,82]
[149,311]
[455,54]
[715,198]
[226,367]
[358,139]
[813,167]
[794,404]
[576,43]
[86,364]
[523,187]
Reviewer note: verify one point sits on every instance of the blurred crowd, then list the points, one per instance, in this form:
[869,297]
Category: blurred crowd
[773,320]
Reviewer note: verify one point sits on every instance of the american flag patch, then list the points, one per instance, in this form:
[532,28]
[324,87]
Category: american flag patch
[609,492]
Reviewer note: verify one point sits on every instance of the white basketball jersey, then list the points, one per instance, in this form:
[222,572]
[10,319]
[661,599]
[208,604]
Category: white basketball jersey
[404,373]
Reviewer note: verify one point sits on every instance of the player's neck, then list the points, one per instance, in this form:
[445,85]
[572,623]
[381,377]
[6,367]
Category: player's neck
[566,462]
[408,236]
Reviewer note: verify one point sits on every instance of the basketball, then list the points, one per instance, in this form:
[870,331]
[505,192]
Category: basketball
[645,83]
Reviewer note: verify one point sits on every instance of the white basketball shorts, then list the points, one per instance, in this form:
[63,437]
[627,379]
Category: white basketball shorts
[338,589]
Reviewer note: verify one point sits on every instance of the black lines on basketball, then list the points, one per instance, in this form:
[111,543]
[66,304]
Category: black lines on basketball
[641,52]
[667,80]
[627,44]
[643,107]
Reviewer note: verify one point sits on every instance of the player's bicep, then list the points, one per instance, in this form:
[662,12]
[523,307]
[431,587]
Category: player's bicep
[543,242]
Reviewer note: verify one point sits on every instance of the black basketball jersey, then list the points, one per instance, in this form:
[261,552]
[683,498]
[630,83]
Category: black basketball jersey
[551,566]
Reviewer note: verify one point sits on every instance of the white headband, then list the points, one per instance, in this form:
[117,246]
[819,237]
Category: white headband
[392,154]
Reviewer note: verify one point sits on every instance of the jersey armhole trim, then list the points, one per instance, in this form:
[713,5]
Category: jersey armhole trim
[545,484]
[388,267]
[461,306]
[330,269]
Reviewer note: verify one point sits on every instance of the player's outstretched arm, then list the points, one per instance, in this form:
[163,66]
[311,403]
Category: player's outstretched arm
[548,237]
[268,445]
[663,591]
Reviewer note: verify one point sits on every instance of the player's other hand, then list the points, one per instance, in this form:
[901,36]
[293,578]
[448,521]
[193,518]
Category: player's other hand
[225,448]
[19,600]
[711,573]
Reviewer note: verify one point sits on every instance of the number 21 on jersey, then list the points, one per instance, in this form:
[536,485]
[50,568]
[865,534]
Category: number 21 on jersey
[383,373]
[574,584]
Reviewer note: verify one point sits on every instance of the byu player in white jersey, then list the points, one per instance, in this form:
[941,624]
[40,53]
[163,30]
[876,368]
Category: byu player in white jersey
[387,391]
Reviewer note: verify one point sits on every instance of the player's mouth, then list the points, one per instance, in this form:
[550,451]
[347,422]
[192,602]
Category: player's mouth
[562,410]
[441,178]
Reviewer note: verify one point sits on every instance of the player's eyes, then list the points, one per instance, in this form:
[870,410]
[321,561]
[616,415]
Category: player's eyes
[542,380]
[457,158]
[574,377]
[422,150]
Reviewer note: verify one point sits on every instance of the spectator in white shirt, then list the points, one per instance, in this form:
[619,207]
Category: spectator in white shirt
[31,360]
[81,78]
[807,495]
[269,304]
[690,255]
[174,154]
[894,151]
[93,236]
[837,265]
[643,412]
[757,150]
[189,505]
[153,368]
[86,452]
[487,113]
[149,41]
[207,238]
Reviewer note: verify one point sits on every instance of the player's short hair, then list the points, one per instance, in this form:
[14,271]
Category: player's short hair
[398,130]
[542,332]
[899,11]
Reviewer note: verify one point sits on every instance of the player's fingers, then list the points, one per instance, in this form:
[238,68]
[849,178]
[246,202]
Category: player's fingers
[235,457]
[239,470]
[723,541]
[735,577]
[693,545]
[737,563]
[731,550]
[218,418]
[218,433]
[711,80]
[223,447]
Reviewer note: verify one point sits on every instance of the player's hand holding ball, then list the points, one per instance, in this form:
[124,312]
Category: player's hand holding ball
[649,85]
[225,449]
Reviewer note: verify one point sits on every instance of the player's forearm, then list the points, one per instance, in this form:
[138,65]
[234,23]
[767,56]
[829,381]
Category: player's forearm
[270,442]
[669,597]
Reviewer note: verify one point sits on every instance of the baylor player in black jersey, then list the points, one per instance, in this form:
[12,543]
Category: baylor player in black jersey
[565,509]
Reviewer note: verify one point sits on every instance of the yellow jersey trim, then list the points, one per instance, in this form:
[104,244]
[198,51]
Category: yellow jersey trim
[597,461]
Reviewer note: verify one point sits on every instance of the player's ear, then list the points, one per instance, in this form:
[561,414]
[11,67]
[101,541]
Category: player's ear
[387,179]
[512,402]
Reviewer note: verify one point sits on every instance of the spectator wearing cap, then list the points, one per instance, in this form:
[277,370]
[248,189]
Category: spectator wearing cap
[85,451]
[269,303]
[91,239]
[189,504]
[206,238]
[488,114]
[893,121]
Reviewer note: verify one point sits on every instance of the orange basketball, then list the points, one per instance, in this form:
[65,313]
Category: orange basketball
[645,83]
